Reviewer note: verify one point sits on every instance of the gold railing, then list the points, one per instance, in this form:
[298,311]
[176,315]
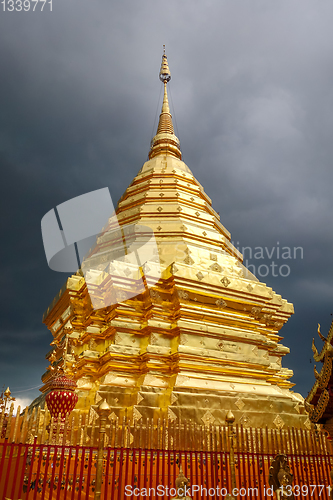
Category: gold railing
[83,429]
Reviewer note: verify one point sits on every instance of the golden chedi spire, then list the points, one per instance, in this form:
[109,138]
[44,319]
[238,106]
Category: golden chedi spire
[202,339]
[165,141]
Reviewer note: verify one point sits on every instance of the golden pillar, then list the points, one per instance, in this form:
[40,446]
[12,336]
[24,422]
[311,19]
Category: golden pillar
[230,419]
[103,411]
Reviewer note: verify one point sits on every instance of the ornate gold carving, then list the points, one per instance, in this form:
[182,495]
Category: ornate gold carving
[278,421]
[189,261]
[216,267]
[98,398]
[316,412]
[221,303]
[159,209]
[136,414]
[155,295]
[92,344]
[325,373]
[213,256]
[174,398]
[255,350]
[308,424]
[256,311]
[171,415]
[139,398]
[220,345]
[240,404]
[112,416]
[183,295]
[153,339]
[118,338]
[199,275]
[320,335]
[225,281]
[127,271]
[245,420]
[208,418]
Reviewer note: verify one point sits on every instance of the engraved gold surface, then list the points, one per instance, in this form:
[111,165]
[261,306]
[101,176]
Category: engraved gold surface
[207,331]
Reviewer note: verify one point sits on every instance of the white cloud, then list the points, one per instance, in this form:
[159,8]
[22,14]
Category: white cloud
[22,402]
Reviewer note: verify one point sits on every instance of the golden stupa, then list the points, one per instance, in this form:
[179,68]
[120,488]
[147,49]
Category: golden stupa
[202,340]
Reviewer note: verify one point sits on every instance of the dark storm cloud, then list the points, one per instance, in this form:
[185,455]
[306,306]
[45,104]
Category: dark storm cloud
[252,95]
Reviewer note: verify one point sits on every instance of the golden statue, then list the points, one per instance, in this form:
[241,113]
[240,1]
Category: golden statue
[280,478]
[182,486]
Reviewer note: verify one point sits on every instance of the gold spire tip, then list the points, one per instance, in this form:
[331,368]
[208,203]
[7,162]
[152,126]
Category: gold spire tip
[165,142]
[165,75]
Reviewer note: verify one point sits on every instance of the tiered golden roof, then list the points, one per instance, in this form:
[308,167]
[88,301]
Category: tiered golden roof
[203,340]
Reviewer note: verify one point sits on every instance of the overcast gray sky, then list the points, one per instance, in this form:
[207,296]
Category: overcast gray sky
[252,100]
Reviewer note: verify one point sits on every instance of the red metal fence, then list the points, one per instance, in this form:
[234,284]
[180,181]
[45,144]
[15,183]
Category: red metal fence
[38,471]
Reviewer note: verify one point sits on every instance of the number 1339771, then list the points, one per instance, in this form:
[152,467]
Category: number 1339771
[20,5]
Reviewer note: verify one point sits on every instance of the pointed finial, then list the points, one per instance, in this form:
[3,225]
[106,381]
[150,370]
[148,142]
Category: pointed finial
[165,141]
[230,417]
[165,75]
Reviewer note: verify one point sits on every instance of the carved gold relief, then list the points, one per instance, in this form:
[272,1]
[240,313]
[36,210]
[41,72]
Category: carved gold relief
[208,418]
[136,414]
[240,404]
[171,415]
[278,421]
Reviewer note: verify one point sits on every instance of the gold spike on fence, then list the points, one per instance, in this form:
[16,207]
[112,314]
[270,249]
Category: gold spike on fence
[82,429]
